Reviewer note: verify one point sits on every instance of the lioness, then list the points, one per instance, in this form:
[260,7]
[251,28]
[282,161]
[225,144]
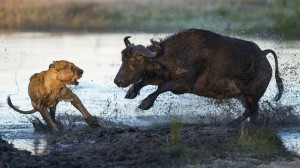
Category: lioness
[47,88]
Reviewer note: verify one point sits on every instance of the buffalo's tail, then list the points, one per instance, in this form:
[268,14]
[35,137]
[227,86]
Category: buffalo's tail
[277,77]
[18,110]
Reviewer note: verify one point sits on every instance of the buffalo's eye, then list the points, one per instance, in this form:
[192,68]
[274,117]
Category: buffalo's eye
[132,60]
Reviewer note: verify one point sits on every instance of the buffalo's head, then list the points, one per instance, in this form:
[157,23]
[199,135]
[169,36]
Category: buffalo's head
[134,62]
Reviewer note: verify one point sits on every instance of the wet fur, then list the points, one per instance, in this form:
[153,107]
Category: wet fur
[47,88]
[206,64]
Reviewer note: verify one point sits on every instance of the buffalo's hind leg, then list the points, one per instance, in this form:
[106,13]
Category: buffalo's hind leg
[251,110]
[254,90]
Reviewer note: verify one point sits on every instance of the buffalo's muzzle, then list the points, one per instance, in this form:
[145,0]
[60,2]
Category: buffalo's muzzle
[119,82]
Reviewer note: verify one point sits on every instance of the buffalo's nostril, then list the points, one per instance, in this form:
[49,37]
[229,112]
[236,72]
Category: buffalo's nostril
[80,71]
[118,82]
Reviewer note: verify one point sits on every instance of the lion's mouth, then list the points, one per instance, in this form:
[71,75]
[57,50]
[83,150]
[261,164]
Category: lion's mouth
[76,82]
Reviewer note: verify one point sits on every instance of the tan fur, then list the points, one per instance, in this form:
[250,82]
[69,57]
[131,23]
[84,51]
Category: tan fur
[47,88]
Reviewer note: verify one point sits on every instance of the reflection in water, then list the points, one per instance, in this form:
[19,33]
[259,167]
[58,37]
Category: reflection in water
[39,146]
[291,139]
[24,138]
[36,145]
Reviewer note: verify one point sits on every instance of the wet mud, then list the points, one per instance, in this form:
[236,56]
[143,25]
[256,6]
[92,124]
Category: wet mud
[167,145]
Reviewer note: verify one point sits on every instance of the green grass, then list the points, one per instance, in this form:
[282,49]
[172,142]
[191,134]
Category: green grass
[259,142]
[175,132]
[251,145]
[181,155]
[261,18]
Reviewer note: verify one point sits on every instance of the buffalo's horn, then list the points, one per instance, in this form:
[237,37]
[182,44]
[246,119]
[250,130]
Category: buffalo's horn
[126,41]
[144,51]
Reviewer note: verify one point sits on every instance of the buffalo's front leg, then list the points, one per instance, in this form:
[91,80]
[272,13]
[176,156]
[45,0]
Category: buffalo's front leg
[179,85]
[134,90]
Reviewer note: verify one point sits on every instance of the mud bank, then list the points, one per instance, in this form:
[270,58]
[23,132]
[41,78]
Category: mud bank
[172,145]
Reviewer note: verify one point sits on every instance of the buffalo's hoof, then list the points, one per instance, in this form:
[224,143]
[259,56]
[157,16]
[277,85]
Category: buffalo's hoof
[130,95]
[145,105]
[93,122]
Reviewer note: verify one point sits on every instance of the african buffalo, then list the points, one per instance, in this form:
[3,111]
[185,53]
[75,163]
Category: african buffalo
[199,62]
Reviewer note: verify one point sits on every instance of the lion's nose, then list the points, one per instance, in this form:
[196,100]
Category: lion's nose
[80,71]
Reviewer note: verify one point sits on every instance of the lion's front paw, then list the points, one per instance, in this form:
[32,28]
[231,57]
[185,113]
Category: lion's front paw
[93,121]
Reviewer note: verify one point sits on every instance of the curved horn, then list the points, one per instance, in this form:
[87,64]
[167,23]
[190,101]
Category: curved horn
[144,51]
[126,41]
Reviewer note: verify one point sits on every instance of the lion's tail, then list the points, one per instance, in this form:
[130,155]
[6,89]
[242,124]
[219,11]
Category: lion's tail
[18,110]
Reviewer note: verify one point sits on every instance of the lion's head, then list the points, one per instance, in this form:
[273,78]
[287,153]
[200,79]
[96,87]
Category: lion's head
[67,72]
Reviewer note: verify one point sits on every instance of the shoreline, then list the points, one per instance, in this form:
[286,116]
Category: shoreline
[277,18]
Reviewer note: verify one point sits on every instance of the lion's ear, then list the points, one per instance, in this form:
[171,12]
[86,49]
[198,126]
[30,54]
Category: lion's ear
[51,66]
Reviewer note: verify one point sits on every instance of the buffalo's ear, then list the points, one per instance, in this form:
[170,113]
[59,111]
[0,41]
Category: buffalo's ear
[153,66]
[130,50]
[158,47]
[156,44]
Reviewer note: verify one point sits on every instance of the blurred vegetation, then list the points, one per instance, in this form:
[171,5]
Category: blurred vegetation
[261,141]
[175,132]
[262,18]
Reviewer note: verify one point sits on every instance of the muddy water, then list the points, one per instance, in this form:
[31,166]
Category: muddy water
[23,54]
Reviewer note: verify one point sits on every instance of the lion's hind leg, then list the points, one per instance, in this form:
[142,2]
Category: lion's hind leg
[52,111]
[48,120]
